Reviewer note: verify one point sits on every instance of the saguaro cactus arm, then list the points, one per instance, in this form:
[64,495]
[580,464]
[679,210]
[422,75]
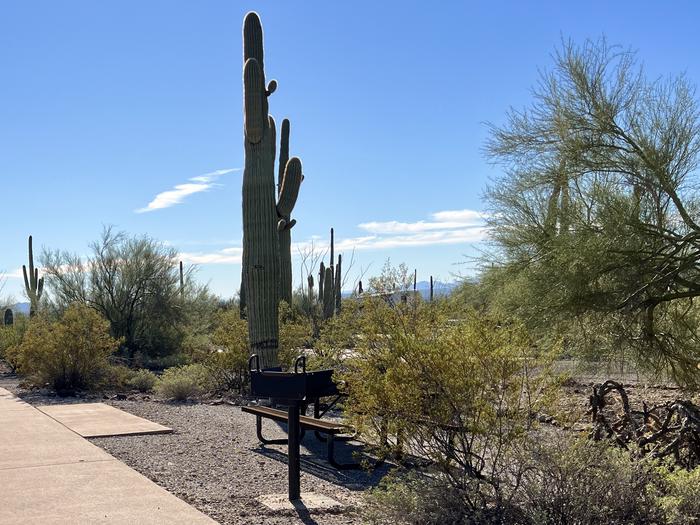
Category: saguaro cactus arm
[289,180]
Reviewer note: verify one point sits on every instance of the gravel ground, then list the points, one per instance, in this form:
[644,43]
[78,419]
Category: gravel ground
[214,461]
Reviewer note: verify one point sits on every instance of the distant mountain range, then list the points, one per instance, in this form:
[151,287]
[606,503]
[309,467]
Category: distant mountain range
[440,289]
[20,308]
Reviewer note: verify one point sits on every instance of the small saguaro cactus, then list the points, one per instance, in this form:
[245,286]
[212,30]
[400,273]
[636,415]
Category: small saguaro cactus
[33,285]
[431,288]
[338,284]
[264,216]
[9,318]
[321,281]
[182,281]
[328,295]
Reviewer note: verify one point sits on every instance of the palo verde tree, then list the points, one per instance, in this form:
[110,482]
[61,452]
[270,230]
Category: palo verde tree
[595,220]
[134,282]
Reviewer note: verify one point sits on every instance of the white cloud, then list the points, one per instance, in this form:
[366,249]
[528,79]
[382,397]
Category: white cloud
[462,236]
[230,255]
[468,216]
[448,227]
[442,220]
[197,184]
[16,274]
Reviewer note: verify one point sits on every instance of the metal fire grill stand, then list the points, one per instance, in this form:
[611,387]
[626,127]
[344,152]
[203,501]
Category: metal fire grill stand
[293,389]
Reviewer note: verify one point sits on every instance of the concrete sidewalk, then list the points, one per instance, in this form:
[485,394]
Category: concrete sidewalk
[51,475]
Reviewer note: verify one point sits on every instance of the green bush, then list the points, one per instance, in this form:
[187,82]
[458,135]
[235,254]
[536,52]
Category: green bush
[143,380]
[415,499]
[586,483]
[228,363]
[679,495]
[183,382]
[559,481]
[118,376]
[295,334]
[11,336]
[69,354]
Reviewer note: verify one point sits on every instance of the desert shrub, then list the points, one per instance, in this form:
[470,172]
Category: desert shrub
[557,482]
[418,499]
[117,376]
[458,391]
[69,354]
[295,334]
[11,336]
[158,362]
[196,347]
[338,336]
[583,482]
[143,380]
[679,495]
[183,382]
[228,362]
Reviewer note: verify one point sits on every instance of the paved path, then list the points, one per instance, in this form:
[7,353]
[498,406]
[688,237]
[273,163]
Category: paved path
[50,475]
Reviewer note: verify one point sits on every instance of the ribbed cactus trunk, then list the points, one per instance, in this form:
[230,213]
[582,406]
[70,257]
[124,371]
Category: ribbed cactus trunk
[9,318]
[260,240]
[241,299]
[310,284]
[328,295]
[289,179]
[33,286]
[182,281]
[338,284]
[321,281]
[264,218]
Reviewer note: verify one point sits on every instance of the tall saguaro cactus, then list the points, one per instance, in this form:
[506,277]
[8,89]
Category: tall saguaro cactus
[34,286]
[263,216]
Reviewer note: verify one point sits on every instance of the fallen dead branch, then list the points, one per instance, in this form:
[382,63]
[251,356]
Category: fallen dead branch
[670,430]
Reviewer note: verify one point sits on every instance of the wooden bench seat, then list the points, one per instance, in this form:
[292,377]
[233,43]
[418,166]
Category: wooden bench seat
[330,428]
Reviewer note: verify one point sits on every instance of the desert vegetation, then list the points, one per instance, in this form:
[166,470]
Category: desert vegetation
[593,257]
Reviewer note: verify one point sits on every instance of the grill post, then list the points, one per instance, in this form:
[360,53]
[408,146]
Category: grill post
[293,450]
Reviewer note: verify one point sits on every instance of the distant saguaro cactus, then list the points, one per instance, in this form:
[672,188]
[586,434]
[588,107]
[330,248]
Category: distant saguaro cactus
[182,281]
[338,284]
[9,318]
[263,216]
[33,285]
[329,294]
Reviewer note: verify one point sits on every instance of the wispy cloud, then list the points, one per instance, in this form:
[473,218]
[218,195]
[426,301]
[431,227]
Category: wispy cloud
[442,220]
[197,184]
[15,274]
[230,255]
[446,227]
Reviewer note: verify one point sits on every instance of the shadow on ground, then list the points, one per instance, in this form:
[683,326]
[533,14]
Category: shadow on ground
[314,461]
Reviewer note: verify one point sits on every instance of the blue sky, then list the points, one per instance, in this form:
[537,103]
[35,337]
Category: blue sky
[129,114]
